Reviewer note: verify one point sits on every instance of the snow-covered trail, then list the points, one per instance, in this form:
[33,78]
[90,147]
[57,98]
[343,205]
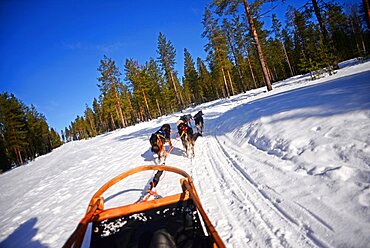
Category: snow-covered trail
[288,168]
[250,210]
[254,209]
[265,199]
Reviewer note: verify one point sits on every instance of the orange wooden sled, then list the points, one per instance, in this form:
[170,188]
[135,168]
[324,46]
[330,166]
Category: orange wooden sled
[164,213]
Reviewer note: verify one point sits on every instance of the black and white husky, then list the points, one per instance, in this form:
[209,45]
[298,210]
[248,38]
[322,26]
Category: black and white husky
[188,138]
[199,122]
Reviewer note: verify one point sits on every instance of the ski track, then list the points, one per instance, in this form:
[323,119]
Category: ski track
[226,222]
[292,210]
[278,220]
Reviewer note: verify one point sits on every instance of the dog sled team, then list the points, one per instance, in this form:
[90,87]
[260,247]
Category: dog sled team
[185,133]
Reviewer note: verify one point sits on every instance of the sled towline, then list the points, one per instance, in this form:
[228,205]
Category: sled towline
[177,220]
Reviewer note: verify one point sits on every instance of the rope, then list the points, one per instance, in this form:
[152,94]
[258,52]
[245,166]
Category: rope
[149,194]
[157,177]
[171,147]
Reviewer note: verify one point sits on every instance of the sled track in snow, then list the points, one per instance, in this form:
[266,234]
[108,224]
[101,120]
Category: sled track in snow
[218,181]
[310,223]
[258,211]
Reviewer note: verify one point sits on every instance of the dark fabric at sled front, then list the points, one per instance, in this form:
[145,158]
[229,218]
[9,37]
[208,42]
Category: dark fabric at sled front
[174,225]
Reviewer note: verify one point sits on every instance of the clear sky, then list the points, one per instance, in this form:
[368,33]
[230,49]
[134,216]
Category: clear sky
[50,49]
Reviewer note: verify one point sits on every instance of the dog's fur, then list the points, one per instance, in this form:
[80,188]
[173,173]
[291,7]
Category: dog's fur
[159,138]
[157,144]
[188,138]
[199,123]
[167,130]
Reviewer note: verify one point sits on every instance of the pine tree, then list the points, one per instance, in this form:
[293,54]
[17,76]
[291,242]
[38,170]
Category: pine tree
[55,139]
[5,163]
[64,140]
[13,122]
[317,11]
[357,32]
[167,55]
[156,88]
[205,80]
[38,133]
[98,116]
[243,43]
[276,27]
[191,78]
[230,6]
[217,54]
[231,36]
[44,133]
[301,30]
[34,141]
[110,88]
[140,85]
[90,119]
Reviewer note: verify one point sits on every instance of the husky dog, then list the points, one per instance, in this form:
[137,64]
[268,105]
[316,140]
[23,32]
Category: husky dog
[159,138]
[199,123]
[188,138]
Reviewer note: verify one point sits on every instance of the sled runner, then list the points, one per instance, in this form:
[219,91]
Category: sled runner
[172,221]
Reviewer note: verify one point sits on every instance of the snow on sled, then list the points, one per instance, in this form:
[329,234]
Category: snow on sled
[178,220]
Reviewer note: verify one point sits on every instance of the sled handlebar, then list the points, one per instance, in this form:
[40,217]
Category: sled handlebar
[128,173]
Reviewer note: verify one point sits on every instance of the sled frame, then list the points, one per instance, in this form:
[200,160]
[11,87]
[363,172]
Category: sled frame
[96,212]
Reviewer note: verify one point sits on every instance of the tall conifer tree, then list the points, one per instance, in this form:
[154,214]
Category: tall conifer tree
[167,55]
[110,88]
[191,77]
[14,130]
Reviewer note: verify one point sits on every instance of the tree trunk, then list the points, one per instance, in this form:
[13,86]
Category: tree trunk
[270,74]
[258,45]
[117,113]
[142,114]
[275,73]
[252,73]
[225,82]
[112,120]
[222,68]
[236,64]
[355,35]
[102,123]
[159,109]
[363,45]
[320,20]
[18,155]
[106,124]
[287,58]
[231,82]
[133,113]
[92,126]
[120,109]
[175,88]
[146,104]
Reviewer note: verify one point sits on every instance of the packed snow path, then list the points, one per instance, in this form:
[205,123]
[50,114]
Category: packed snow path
[287,168]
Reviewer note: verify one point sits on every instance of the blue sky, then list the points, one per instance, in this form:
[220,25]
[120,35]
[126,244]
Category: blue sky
[50,49]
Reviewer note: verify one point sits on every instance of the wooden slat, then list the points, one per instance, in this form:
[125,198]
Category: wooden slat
[140,207]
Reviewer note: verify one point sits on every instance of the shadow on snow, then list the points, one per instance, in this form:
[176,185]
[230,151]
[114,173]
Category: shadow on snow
[23,235]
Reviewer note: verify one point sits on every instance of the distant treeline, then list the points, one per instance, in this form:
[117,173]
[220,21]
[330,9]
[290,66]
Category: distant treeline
[242,55]
[24,133]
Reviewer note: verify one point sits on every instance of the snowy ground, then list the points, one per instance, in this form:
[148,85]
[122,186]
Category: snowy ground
[287,168]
